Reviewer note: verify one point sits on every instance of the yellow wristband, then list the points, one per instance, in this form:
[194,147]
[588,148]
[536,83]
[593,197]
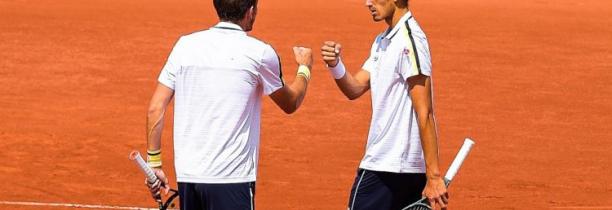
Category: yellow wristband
[304,71]
[154,159]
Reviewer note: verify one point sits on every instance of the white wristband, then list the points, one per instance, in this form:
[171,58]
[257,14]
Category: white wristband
[304,71]
[337,71]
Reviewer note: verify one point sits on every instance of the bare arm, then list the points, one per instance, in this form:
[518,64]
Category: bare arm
[155,116]
[355,86]
[155,124]
[420,92]
[290,97]
[352,86]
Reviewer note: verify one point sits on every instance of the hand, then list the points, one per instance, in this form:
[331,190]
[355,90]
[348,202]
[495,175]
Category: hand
[303,56]
[161,183]
[331,53]
[435,192]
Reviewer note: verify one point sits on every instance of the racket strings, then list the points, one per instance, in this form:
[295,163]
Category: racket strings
[418,208]
[421,204]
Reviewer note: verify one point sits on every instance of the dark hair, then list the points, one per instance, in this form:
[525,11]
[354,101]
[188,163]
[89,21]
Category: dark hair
[233,10]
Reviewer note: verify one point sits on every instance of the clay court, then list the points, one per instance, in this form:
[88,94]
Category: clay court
[529,81]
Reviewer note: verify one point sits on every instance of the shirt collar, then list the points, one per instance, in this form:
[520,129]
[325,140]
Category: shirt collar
[228,26]
[398,25]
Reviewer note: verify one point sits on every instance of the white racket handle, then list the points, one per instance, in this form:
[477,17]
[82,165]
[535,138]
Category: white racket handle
[144,167]
[463,152]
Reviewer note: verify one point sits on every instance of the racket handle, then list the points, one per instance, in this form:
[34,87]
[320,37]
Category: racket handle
[463,152]
[144,167]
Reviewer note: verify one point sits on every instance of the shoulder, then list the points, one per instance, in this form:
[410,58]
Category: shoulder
[259,45]
[413,27]
[412,35]
[264,49]
[185,41]
[195,36]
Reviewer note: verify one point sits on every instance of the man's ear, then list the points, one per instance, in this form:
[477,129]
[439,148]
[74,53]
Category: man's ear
[254,8]
[251,12]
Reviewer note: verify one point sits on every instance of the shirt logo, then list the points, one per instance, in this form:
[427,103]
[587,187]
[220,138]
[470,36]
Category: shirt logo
[406,51]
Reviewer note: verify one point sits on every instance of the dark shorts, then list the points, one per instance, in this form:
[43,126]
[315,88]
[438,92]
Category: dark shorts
[234,196]
[374,190]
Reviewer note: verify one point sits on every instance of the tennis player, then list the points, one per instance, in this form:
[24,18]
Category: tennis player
[217,78]
[400,164]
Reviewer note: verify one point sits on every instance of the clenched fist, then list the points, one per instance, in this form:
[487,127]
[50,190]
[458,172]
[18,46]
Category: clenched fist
[331,53]
[303,56]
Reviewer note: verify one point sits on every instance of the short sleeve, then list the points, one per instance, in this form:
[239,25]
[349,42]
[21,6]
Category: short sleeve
[415,58]
[270,72]
[167,76]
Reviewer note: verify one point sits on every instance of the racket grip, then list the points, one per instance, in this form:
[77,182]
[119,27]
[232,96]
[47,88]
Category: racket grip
[144,167]
[463,152]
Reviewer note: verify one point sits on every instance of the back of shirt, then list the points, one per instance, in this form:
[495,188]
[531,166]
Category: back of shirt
[219,76]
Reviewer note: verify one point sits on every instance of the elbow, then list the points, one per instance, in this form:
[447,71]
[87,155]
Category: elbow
[353,94]
[352,97]
[154,110]
[294,105]
[426,116]
[289,109]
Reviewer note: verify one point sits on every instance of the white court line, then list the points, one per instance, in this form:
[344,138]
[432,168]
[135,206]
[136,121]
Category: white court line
[73,205]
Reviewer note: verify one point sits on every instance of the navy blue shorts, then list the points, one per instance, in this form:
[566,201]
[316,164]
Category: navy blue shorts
[375,190]
[234,196]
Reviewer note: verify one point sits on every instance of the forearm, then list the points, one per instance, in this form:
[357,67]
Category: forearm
[290,97]
[298,91]
[155,124]
[421,95]
[350,87]
[429,142]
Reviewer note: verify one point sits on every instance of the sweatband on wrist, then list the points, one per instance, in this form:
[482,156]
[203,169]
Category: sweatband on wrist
[337,71]
[304,71]
[154,159]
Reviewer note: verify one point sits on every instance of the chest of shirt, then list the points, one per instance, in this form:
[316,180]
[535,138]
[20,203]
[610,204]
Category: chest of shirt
[388,56]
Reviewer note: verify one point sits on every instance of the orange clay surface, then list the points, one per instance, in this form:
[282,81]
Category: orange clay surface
[530,81]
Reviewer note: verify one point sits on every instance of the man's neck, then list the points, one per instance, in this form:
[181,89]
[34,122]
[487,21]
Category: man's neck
[397,15]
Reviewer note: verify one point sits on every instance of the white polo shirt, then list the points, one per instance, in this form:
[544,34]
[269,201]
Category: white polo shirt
[394,143]
[219,76]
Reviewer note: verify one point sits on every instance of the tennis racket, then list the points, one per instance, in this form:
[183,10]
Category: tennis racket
[423,204]
[151,178]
